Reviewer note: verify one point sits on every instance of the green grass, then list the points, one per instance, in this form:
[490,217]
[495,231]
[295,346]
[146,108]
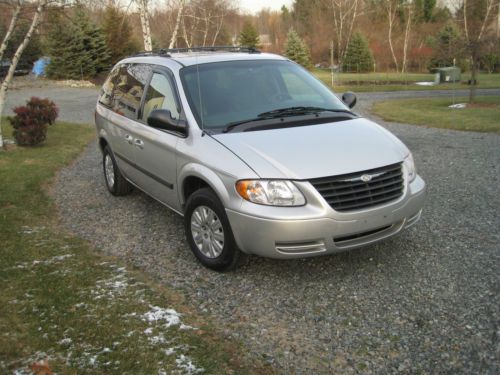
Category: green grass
[62,302]
[484,116]
[366,82]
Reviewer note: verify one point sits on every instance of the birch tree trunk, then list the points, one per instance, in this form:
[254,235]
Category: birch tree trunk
[177,24]
[12,25]
[146,30]
[407,37]
[10,74]
[391,15]
[345,13]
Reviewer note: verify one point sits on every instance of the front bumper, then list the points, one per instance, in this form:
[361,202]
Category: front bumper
[331,233]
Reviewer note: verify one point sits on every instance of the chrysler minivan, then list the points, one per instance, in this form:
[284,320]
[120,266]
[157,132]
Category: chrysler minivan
[255,153]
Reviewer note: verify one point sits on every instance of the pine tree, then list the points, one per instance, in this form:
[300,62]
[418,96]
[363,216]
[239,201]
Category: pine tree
[249,36]
[359,57]
[296,49]
[118,34]
[77,50]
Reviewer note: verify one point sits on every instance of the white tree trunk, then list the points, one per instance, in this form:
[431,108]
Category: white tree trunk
[10,74]
[12,25]
[407,37]
[146,29]
[391,15]
[177,24]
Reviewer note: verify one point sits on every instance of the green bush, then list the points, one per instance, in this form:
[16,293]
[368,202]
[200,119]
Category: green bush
[31,121]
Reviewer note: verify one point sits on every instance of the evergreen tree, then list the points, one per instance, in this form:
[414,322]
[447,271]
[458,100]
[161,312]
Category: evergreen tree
[428,10]
[359,57]
[296,49]
[446,47]
[249,36]
[77,50]
[118,34]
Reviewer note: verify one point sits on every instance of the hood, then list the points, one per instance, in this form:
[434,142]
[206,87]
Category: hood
[306,152]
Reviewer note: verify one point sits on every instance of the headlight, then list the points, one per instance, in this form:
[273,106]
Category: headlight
[270,192]
[410,167]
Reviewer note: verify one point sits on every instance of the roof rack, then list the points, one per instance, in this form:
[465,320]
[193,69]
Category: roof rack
[166,52]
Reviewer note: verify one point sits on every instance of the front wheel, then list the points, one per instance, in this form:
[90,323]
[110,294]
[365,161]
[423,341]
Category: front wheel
[208,231]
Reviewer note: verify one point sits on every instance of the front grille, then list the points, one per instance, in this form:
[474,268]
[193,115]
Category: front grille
[349,192]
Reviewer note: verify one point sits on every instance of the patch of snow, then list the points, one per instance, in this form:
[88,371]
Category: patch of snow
[157,314]
[93,360]
[66,341]
[185,363]
[148,331]
[458,106]
[169,351]
[57,258]
[155,340]
[425,83]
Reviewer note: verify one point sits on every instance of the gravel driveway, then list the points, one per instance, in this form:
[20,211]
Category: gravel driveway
[424,302]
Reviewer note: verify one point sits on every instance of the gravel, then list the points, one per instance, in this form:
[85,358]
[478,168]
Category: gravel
[426,301]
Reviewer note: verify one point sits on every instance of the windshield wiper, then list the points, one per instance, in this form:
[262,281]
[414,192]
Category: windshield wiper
[232,125]
[295,111]
[283,112]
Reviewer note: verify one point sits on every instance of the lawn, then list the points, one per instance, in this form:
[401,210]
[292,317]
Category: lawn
[365,82]
[66,308]
[484,116]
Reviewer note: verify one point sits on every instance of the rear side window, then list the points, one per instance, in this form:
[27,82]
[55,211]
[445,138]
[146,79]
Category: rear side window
[106,96]
[128,89]
[160,95]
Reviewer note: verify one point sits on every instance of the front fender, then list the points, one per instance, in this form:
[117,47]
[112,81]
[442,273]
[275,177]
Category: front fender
[217,184]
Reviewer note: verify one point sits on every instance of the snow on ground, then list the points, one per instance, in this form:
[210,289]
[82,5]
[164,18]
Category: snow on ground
[157,320]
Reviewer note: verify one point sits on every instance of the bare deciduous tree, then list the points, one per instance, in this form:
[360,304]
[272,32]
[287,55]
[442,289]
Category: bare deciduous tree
[344,14]
[13,22]
[409,16]
[173,39]
[477,23]
[391,7]
[146,28]
[41,5]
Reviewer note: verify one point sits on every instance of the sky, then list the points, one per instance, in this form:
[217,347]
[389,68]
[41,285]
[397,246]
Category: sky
[253,6]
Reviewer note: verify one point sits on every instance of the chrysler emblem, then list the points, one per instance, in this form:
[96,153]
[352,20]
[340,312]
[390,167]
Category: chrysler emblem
[366,178]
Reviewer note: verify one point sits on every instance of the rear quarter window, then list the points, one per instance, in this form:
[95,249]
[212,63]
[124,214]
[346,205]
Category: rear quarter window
[106,95]
[128,89]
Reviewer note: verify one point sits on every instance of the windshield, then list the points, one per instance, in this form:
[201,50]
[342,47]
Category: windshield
[233,91]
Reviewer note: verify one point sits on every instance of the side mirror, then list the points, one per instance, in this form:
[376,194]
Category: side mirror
[349,99]
[162,119]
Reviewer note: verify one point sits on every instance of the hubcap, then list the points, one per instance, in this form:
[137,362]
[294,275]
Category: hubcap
[207,231]
[109,171]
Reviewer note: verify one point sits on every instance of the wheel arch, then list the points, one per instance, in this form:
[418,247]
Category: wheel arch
[195,176]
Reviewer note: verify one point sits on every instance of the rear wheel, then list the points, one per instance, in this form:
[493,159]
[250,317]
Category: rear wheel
[115,182]
[208,231]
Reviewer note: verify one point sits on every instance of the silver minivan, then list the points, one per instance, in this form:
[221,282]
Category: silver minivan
[255,153]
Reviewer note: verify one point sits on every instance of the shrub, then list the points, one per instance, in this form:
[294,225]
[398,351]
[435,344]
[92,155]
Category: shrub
[31,121]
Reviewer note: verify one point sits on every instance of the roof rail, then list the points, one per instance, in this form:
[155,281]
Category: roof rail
[166,52]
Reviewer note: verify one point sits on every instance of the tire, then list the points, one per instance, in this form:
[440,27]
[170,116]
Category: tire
[115,182]
[214,245]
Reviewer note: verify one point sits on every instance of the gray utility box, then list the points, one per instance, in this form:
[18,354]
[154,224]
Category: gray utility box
[449,74]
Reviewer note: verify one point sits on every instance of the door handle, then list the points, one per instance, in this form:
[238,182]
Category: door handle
[129,138]
[139,143]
